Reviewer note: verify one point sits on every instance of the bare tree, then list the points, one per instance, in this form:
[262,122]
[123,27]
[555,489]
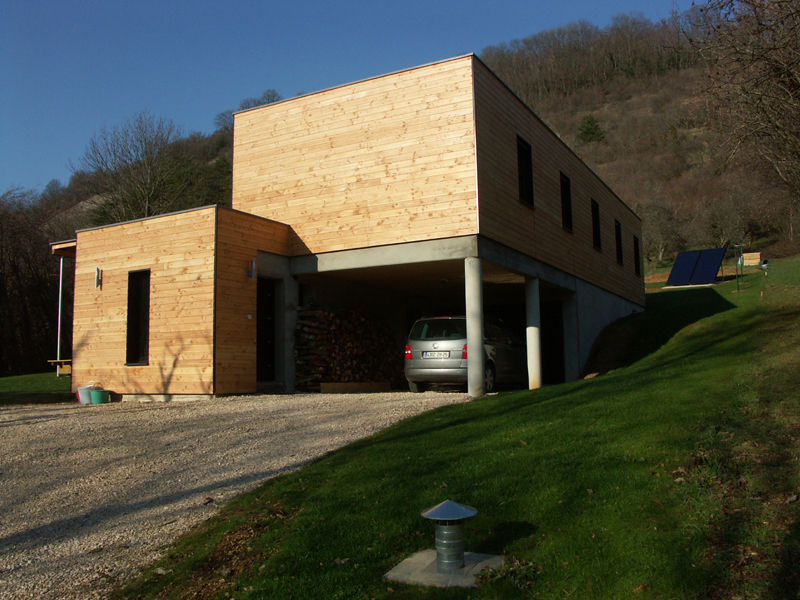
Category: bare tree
[134,172]
[753,52]
[575,56]
[28,288]
[662,229]
[224,120]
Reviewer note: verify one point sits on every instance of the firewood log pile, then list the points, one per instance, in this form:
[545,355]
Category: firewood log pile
[344,347]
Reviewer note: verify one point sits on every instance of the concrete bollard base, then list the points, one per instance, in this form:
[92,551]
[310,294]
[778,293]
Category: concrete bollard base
[420,569]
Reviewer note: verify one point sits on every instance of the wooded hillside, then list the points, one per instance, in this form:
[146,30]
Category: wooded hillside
[634,101]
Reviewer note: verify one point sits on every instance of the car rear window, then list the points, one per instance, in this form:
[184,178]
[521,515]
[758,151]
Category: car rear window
[439,329]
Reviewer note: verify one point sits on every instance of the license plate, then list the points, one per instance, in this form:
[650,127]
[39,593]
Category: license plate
[436,354]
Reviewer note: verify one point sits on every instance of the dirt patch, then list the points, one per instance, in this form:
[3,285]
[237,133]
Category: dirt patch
[656,278]
[234,555]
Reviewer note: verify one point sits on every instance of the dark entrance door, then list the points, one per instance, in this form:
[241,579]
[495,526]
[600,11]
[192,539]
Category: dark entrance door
[265,317]
[552,342]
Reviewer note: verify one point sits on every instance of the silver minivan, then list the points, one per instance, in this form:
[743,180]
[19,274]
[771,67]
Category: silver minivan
[436,353]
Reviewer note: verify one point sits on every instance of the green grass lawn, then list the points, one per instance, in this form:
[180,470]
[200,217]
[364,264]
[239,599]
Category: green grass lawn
[38,388]
[673,475]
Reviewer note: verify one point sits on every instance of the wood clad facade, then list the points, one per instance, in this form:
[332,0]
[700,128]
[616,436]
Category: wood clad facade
[430,153]
[240,236]
[382,161]
[200,340]
[427,153]
[538,230]
[178,250]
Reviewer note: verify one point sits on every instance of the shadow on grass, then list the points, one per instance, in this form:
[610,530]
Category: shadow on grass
[16,398]
[748,460]
[628,340]
[786,583]
[504,534]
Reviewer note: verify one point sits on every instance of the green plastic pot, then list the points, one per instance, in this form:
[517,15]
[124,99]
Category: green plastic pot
[99,396]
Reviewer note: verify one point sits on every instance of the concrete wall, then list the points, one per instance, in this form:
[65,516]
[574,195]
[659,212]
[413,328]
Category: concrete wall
[596,309]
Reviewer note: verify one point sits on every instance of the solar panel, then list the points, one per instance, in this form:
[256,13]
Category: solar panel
[683,268]
[696,267]
[707,266]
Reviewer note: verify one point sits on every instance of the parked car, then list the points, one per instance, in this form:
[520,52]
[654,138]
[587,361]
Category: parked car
[436,353]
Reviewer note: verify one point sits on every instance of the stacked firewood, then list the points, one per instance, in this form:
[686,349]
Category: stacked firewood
[344,346]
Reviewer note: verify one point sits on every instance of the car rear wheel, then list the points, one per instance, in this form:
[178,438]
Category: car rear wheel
[488,378]
[416,387]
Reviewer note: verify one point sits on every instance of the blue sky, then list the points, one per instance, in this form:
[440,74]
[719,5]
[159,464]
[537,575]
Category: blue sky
[68,68]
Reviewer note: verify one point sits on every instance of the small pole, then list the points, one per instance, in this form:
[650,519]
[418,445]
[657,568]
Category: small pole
[739,264]
[60,289]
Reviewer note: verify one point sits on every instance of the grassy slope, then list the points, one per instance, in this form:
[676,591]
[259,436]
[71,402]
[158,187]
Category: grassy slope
[671,477]
[35,388]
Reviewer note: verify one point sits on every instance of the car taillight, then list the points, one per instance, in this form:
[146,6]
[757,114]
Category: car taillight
[464,353]
[408,352]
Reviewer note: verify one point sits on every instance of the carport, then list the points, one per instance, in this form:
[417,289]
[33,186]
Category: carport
[466,275]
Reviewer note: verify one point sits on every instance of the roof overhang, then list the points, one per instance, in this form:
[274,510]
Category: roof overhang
[66,248]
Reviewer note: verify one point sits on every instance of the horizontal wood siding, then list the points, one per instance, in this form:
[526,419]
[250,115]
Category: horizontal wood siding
[179,251]
[538,232]
[383,161]
[239,239]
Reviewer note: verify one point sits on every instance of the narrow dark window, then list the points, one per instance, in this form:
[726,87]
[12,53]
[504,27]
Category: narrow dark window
[138,342]
[525,171]
[618,239]
[637,259]
[596,241]
[566,203]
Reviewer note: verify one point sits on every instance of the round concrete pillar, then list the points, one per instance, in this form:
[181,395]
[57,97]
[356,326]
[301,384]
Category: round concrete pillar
[473,291]
[533,330]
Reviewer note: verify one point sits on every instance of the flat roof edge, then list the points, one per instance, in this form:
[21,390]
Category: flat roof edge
[356,82]
[177,212]
[64,248]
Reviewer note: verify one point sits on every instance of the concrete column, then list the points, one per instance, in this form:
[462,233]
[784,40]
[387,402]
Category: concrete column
[473,295]
[533,331]
[290,301]
[572,366]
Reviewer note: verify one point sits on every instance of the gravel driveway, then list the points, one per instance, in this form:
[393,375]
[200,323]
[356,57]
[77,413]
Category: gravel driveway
[90,493]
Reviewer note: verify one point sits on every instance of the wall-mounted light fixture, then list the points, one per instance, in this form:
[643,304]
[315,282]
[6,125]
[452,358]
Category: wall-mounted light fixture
[252,272]
[98,278]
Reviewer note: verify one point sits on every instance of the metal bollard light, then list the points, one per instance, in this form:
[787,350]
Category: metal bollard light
[449,517]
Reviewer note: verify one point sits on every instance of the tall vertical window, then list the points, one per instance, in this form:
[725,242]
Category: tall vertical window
[138,340]
[525,171]
[637,259]
[596,241]
[566,203]
[618,239]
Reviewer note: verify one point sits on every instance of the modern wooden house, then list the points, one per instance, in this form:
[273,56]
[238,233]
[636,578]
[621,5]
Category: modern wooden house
[431,189]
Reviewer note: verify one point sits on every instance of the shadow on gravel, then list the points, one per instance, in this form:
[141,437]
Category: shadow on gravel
[43,534]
